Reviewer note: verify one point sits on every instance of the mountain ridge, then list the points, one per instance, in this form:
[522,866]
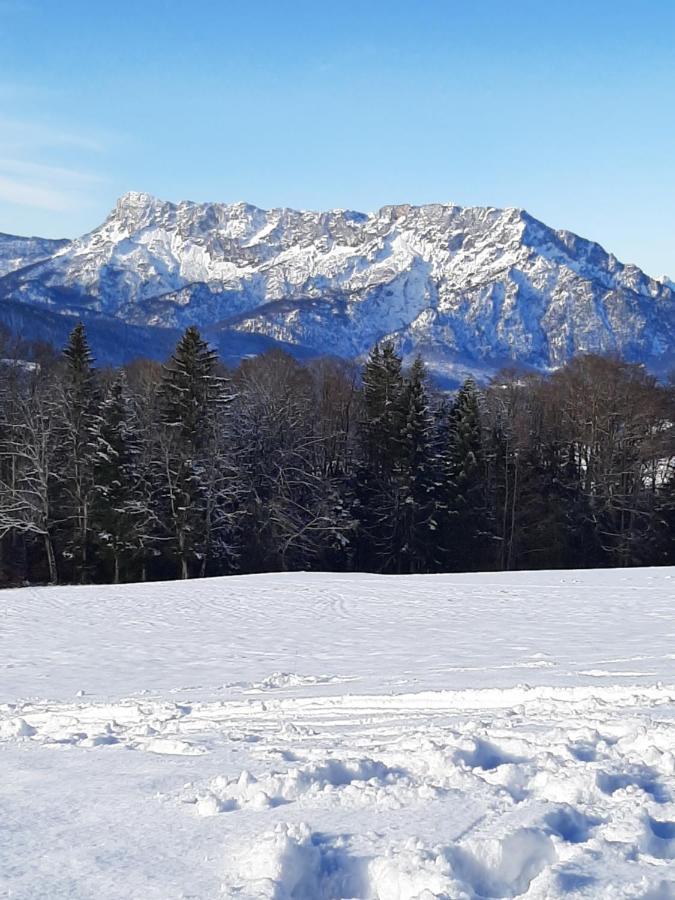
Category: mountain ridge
[462,285]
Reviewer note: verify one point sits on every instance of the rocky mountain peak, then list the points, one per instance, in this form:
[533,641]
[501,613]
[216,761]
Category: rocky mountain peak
[469,287]
[137,209]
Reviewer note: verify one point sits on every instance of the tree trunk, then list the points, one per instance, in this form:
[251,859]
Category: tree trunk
[512,530]
[83,539]
[51,559]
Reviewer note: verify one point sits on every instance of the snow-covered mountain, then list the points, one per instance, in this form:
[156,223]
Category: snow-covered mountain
[18,252]
[468,287]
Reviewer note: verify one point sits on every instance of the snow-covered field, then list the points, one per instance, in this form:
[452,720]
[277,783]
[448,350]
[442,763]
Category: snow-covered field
[337,736]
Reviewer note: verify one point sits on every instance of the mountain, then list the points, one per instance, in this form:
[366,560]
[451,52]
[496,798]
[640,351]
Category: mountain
[18,252]
[470,288]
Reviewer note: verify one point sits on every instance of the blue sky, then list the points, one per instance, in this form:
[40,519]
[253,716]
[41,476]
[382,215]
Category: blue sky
[564,108]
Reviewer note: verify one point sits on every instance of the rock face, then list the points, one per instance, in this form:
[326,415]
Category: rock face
[469,288]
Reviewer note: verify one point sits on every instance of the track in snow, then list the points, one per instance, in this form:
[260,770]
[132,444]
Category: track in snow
[451,737]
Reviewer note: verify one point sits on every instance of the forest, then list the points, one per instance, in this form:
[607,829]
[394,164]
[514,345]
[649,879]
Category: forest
[187,469]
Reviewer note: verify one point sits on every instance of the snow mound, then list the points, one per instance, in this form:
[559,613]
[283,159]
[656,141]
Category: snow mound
[279,680]
[294,863]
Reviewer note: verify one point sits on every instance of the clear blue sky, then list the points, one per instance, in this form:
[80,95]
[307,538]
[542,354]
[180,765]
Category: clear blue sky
[566,108]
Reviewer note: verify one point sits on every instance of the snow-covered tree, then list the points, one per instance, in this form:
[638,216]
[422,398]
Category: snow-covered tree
[120,512]
[177,470]
[420,551]
[192,473]
[293,514]
[29,459]
[74,471]
[191,389]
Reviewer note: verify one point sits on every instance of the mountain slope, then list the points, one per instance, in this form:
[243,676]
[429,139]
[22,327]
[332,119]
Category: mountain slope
[18,252]
[472,286]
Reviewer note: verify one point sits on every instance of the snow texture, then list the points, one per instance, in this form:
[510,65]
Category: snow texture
[471,288]
[324,737]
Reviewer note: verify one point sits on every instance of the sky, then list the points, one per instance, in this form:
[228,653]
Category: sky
[564,108]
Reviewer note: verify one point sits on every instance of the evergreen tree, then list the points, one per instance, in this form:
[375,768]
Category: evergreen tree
[420,520]
[191,389]
[307,468]
[466,536]
[542,531]
[378,496]
[118,508]
[191,472]
[74,481]
[384,408]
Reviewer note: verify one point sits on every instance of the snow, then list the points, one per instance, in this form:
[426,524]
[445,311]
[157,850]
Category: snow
[477,286]
[17,252]
[324,737]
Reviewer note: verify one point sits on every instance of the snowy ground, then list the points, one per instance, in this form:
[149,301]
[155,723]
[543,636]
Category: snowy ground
[322,736]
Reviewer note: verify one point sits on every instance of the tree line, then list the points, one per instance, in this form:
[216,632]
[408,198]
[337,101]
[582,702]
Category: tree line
[187,469]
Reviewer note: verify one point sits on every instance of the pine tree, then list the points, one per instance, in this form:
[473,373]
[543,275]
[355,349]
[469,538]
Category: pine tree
[540,534]
[384,409]
[467,525]
[192,474]
[118,510]
[191,389]
[377,495]
[74,478]
[419,501]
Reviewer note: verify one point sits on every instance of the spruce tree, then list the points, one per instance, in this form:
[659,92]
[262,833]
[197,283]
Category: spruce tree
[540,533]
[377,504]
[74,480]
[191,389]
[384,410]
[419,501]
[466,521]
[117,508]
[192,476]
